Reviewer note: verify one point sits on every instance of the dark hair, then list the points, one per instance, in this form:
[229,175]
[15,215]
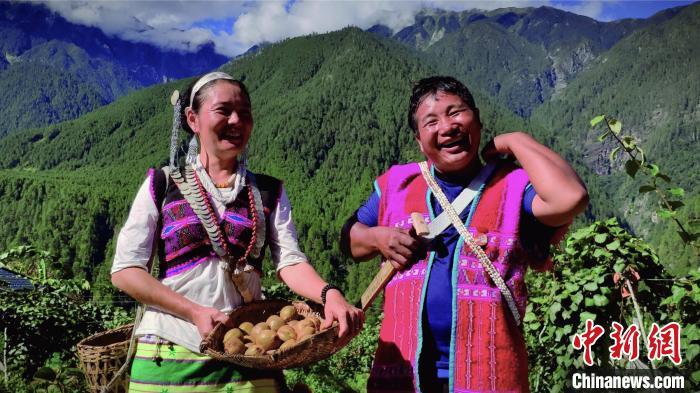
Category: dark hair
[199,98]
[432,85]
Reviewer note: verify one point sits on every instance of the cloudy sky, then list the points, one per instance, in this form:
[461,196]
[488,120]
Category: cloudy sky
[236,26]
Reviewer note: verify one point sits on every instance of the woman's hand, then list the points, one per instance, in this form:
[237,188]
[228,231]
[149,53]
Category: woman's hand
[350,319]
[303,279]
[205,318]
[143,287]
[500,145]
[398,246]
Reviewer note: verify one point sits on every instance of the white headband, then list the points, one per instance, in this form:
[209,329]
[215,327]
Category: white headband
[212,76]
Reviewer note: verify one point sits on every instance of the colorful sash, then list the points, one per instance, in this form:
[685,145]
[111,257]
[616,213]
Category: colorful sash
[163,367]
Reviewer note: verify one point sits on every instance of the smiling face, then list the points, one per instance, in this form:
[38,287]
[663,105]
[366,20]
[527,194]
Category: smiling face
[224,121]
[448,132]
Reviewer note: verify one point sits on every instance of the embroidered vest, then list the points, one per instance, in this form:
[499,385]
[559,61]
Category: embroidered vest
[184,243]
[487,351]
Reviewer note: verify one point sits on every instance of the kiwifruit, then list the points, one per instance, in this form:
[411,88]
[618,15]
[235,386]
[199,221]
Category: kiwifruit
[258,328]
[305,332]
[254,350]
[246,327]
[288,344]
[274,321]
[234,345]
[235,332]
[267,339]
[287,313]
[304,323]
[286,332]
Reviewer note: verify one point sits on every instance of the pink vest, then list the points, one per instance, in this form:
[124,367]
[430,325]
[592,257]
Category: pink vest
[487,348]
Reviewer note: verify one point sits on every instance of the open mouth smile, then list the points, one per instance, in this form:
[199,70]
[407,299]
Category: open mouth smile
[454,145]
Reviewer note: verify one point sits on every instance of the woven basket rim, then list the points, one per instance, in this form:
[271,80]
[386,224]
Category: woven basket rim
[312,349]
[88,342]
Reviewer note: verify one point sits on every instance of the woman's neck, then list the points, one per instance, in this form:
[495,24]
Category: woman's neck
[219,170]
[463,176]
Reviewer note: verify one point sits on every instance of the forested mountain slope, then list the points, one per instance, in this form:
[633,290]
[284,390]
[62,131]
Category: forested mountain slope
[329,116]
[650,81]
[53,70]
[521,56]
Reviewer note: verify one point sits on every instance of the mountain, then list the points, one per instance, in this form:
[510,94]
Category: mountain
[48,62]
[522,56]
[650,81]
[329,116]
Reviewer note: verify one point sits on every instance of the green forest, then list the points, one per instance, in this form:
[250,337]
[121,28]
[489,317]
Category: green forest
[330,116]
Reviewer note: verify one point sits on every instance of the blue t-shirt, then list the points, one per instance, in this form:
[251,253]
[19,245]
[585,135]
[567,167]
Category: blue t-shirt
[438,304]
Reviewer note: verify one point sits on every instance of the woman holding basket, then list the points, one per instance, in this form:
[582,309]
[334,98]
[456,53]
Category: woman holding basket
[210,222]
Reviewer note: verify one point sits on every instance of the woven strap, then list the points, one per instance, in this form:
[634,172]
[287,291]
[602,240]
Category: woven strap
[469,240]
[140,309]
[196,199]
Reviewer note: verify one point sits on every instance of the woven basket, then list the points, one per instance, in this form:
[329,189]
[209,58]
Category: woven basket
[310,350]
[102,354]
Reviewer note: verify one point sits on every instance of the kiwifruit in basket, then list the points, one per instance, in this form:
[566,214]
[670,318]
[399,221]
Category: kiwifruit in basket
[278,332]
[288,313]
[234,345]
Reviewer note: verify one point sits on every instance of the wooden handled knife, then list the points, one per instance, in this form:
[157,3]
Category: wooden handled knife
[387,270]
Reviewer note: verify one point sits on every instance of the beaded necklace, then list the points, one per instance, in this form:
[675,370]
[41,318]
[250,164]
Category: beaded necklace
[220,237]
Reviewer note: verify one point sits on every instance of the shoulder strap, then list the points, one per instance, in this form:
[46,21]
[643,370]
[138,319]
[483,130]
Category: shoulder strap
[161,181]
[160,184]
[469,240]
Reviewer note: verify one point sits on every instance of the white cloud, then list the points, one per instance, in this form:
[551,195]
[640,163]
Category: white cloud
[591,9]
[167,24]
[172,24]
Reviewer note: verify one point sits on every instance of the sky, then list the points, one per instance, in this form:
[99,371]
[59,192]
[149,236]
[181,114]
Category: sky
[235,26]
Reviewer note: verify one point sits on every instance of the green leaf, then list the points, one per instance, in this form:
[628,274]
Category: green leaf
[553,310]
[600,238]
[631,167]
[695,376]
[654,169]
[45,373]
[646,188]
[600,300]
[677,192]
[577,298]
[614,152]
[587,315]
[602,136]
[678,294]
[529,317]
[675,205]
[664,177]
[692,352]
[613,246]
[74,372]
[597,120]
[591,286]
[615,126]
[663,213]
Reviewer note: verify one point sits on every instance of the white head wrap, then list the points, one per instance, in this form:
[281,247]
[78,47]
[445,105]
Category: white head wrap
[212,76]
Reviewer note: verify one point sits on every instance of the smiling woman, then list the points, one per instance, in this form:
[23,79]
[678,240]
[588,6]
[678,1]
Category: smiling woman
[211,221]
[451,317]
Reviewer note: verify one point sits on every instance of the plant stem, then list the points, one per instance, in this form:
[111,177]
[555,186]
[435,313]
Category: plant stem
[639,316]
[659,192]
